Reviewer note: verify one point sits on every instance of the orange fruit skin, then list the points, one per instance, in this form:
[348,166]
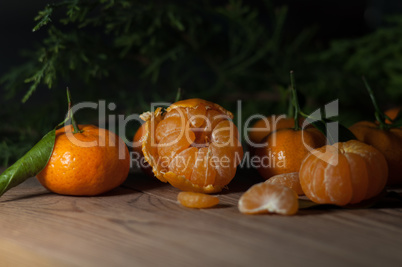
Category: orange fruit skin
[197,200]
[85,163]
[137,148]
[285,150]
[388,142]
[290,180]
[344,173]
[264,127]
[183,143]
[269,198]
[392,113]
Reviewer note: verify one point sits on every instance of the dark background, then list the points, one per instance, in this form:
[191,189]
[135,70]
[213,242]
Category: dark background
[24,123]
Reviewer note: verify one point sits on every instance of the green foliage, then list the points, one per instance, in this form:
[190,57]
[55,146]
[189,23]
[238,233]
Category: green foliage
[213,48]
[133,52]
[378,56]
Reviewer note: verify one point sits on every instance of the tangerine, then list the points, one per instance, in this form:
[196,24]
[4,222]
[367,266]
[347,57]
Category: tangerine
[346,172]
[197,200]
[285,149]
[193,145]
[387,141]
[269,198]
[290,180]
[392,113]
[265,126]
[90,162]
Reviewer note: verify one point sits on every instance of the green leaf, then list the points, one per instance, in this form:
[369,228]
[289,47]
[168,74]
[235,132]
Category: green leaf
[30,164]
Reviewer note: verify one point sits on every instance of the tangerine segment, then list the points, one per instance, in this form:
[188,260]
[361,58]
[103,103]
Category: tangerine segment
[290,180]
[179,112]
[203,132]
[224,132]
[358,178]
[213,118]
[89,163]
[343,173]
[169,125]
[197,200]
[183,184]
[203,173]
[225,160]
[373,158]
[197,115]
[269,198]
[326,181]
[174,143]
[183,163]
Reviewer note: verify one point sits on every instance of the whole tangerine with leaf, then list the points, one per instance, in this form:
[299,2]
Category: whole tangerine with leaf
[85,161]
[264,126]
[343,173]
[283,150]
[385,135]
[193,145]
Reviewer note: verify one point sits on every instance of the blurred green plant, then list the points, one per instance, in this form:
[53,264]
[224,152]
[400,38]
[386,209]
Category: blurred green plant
[133,52]
[214,48]
[336,71]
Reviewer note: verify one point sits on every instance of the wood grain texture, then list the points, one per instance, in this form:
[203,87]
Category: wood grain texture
[141,224]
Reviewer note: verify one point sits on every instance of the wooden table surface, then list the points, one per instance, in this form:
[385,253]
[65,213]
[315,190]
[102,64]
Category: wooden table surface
[141,224]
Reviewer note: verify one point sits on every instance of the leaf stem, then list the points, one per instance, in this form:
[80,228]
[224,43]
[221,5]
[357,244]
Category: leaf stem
[379,115]
[289,96]
[71,115]
[178,95]
[295,102]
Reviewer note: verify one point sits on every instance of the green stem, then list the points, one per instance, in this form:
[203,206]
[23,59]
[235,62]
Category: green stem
[178,95]
[379,115]
[295,102]
[71,115]
[291,110]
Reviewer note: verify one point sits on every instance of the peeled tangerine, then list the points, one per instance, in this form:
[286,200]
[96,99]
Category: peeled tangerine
[193,145]
[344,173]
